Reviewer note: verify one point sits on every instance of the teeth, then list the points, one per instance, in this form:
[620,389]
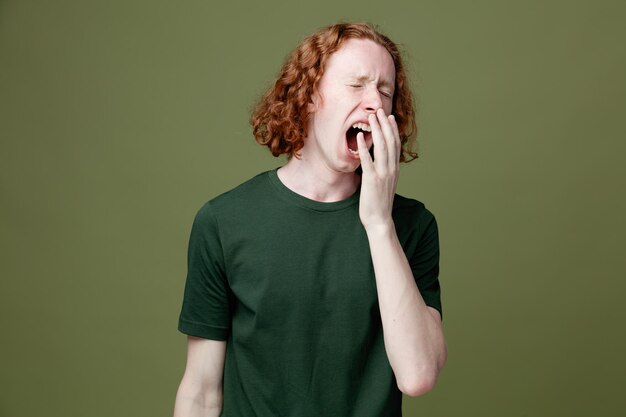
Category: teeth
[353,152]
[362,126]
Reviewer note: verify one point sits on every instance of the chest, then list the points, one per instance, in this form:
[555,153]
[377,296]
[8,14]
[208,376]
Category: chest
[316,262]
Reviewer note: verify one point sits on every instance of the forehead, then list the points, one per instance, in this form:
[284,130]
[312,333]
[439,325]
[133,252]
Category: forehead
[361,58]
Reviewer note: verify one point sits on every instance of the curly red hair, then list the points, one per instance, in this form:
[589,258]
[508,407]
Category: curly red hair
[280,119]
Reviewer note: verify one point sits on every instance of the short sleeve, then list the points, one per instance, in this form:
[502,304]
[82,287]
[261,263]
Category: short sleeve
[424,260]
[205,311]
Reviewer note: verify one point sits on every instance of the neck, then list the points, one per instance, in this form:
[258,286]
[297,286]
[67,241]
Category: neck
[318,184]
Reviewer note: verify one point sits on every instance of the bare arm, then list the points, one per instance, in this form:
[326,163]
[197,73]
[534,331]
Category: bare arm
[412,330]
[413,334]
[200,391]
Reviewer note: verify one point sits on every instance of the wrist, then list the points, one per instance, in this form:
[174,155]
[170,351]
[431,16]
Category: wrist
[380,229]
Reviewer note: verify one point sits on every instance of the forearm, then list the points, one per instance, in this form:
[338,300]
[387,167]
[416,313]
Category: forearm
[193,402]
[200,391]
[413,335]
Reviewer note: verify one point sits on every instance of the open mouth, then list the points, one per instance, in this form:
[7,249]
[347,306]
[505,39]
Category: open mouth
[351,136]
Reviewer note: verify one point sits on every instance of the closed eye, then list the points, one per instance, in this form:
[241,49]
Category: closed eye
[386,93]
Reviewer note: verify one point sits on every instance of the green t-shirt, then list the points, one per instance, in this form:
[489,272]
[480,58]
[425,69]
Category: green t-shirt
[288,282]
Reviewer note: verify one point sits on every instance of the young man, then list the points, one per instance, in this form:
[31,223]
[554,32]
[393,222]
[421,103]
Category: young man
[313,289]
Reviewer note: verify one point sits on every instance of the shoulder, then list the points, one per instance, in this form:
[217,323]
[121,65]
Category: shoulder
[242,207]
[243,196]
[244,191]
[409,210]
[413,220]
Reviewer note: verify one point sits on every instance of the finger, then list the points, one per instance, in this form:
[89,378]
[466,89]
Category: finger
[366,160]
[380,146]
[390,139]
[396,131]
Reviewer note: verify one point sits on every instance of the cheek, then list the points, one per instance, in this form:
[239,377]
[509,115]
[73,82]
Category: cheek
[388,106]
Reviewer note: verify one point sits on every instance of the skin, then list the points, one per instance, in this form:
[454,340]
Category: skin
[413,334]
[412,331]
[200,391]
[357,85]
[358,80]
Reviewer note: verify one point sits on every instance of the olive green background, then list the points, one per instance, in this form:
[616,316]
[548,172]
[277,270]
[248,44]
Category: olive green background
[118,119]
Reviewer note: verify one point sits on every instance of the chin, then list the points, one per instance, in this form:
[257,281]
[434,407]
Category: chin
[348,167]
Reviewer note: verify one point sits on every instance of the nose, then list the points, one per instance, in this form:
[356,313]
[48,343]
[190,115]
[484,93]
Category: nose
[372,99]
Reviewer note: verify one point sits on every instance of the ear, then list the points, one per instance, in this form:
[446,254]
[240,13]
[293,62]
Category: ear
[314,103]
